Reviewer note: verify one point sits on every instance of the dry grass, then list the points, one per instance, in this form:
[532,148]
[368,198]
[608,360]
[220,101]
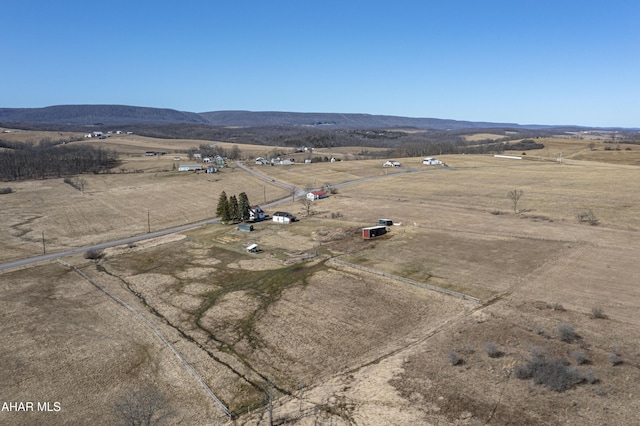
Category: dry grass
[482,137]
[66,342]
[113,206]
[33,136]
[366,349]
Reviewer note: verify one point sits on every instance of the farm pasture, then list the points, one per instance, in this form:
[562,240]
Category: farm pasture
[340,345]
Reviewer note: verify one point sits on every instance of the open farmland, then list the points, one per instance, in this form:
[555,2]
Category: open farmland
[334,342]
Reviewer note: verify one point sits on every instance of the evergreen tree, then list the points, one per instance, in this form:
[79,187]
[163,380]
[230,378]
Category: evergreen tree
[233,208]
[243,206]
[222,211]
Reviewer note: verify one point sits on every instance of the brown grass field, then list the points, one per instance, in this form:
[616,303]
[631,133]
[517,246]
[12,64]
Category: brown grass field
[339,344]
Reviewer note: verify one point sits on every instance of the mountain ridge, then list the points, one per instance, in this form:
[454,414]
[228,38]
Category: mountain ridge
[112,115]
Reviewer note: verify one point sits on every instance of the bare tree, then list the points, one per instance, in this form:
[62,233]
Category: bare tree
[515,196]
[330,188]
[306,204]
[587,215]
[82,183]
[144,407]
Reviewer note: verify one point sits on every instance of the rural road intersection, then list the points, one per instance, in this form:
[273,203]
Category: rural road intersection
[295,192]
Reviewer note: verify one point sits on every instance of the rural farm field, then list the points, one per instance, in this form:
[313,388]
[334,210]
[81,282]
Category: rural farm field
[334,328]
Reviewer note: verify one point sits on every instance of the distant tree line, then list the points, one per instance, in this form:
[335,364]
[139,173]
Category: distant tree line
[524,145]
[27,161]
[213,150]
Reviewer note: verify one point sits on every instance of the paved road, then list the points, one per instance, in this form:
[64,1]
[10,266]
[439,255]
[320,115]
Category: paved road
[299,192]
[52,256]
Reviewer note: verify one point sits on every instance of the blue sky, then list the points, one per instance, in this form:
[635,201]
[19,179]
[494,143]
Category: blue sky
[521,61]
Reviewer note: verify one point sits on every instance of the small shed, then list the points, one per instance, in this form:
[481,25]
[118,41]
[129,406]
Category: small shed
[245,227]
[373,231]
[253,248]
[385,222]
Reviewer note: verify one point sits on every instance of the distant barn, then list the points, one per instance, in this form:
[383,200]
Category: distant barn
[316,195]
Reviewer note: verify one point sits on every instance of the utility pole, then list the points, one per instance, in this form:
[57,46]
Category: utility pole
[148,221]
[301,391]
[44,249]
[264,188]
[269,390]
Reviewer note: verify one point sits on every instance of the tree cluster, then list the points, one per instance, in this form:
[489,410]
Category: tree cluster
[212,150]
[26,161]
[234,209]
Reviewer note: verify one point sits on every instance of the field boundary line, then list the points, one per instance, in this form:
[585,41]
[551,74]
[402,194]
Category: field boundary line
[408,281]
[155,329]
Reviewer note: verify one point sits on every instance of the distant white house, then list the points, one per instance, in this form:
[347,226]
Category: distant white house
[262,160]
[94,135]
[391,164]
[430,161]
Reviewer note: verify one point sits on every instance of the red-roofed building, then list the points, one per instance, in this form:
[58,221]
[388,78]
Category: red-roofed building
[316,195]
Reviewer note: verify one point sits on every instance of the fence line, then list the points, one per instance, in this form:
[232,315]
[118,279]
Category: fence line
[188,366]
[408,281]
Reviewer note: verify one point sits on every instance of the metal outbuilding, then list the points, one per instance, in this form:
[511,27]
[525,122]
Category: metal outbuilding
[373,231]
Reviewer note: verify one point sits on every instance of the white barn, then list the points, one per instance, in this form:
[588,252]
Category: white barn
[189,167]
[283,217]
